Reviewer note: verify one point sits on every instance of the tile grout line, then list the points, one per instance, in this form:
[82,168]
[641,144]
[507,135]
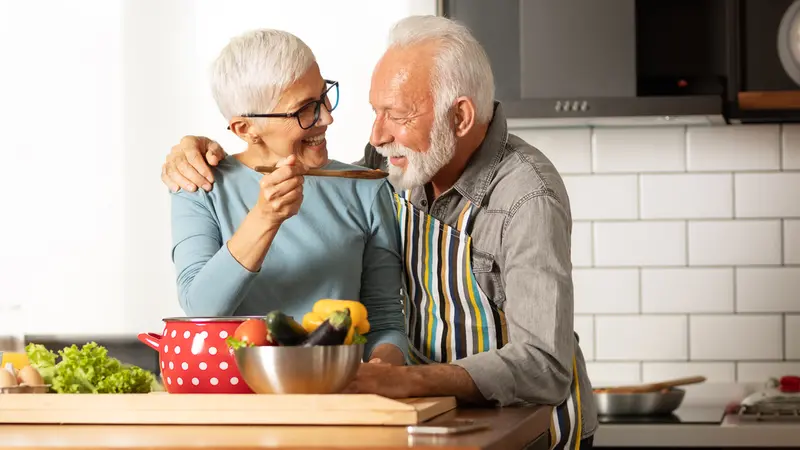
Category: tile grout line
[783,336]
[592,230]
[733,196]
[780,147]
[685,149]
[679,172]
[592,153]
[783,242]
[594,337]
[686,244]
[639,181]
[690,219]
[641,290]
[688,337]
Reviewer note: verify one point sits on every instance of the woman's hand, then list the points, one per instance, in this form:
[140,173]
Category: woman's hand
[280,198]
[281,193]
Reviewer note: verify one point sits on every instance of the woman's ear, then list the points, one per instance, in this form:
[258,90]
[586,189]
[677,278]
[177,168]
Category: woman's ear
[463,116]
[244,129]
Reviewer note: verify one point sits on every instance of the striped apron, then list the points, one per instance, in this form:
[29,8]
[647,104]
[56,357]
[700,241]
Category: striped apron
[448,316]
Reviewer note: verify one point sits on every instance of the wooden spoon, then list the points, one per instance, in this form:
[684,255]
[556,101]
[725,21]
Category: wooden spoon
[652,387]
[362,174]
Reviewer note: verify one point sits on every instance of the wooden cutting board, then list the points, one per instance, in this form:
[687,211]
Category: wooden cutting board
[219,409]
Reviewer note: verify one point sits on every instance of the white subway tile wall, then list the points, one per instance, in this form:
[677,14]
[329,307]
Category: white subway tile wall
[686,249]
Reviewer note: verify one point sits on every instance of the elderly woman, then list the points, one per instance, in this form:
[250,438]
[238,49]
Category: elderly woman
[256,243]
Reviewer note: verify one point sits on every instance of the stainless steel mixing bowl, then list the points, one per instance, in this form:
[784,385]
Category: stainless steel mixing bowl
[325,369]
[639,403]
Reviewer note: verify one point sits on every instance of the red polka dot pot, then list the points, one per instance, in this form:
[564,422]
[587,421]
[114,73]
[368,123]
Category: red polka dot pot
[194,357]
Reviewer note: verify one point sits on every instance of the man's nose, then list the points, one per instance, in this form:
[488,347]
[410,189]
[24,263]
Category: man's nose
[379,135]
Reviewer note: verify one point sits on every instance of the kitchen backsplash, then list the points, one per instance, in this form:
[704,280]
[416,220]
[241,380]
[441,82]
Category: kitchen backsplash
[686,248]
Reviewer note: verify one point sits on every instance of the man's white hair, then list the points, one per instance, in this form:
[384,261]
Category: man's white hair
[461,68]
[254,69]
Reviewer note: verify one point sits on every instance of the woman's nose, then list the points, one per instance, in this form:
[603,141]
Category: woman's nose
[325,117]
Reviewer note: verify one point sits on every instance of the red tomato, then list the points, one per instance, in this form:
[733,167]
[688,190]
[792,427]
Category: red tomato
[254,331]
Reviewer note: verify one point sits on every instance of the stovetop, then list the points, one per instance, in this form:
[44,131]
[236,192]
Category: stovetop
[698,415]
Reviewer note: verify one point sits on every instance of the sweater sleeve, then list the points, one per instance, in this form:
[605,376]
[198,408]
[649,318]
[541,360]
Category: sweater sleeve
[210,281]
[382,283]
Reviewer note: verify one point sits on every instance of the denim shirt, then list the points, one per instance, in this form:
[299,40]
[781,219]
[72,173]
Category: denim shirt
[521,257]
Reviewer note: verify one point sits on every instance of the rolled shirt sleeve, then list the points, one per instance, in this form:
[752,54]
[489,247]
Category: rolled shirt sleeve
[536,364]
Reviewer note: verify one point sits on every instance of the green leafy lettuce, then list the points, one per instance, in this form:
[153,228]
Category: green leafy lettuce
[235,344]
[88,369]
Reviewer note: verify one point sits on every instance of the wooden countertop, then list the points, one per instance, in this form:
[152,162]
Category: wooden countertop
[509,428]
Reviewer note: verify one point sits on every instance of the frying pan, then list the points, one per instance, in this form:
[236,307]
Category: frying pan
[643,400]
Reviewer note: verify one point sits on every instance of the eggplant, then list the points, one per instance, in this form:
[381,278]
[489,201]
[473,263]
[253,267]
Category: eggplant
[284,330]
[333,331]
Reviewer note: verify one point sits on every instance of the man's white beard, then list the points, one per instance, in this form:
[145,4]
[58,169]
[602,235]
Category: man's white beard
[422,166]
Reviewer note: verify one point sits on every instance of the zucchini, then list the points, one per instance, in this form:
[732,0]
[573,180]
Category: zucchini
[333,331]
[284,330]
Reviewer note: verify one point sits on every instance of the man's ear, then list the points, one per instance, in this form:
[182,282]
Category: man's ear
[242,128]
[463,116]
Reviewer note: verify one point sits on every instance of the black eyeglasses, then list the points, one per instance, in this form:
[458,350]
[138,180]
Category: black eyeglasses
[308,115]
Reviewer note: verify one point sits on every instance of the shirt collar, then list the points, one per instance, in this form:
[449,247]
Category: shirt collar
[482,166]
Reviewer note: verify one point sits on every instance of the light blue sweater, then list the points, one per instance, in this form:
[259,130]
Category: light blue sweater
[343,244]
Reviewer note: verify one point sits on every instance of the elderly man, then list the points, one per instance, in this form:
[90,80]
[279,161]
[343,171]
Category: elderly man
[485,223]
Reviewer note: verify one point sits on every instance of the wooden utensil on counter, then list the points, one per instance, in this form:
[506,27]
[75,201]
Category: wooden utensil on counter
[652,387]
[361,174]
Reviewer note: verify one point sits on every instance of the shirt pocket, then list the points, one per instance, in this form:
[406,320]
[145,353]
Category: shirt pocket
[487,274]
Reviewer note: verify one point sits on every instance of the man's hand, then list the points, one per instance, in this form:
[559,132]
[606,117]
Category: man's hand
[377,377]
[431,380]
[388,353]
[187,165]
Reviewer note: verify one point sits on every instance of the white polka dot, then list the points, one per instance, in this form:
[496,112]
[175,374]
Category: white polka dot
[169,380]
[214,381]
[185,365]
[177,350]
[186,334]
[162,365]
[234,381]
[180,381]
[171,366]
[173,333]
[223,365]
[204,334]
[212,351]
[223,334]
[203,366]
[166,349]
[195,381]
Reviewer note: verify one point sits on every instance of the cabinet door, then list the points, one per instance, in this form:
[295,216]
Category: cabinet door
[577,48]
[544,49]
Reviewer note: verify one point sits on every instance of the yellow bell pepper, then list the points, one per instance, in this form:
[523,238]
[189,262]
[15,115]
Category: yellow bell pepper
[313,320]
[358,313]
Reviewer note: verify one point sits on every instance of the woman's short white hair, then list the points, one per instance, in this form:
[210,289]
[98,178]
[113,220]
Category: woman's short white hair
[461,67]
[254,69]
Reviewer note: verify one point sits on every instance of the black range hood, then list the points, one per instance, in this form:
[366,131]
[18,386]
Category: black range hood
[617,62]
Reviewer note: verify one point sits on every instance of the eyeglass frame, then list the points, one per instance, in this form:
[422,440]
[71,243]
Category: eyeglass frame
[317,109]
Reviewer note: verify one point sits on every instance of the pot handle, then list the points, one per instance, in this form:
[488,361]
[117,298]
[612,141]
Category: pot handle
[151,340]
